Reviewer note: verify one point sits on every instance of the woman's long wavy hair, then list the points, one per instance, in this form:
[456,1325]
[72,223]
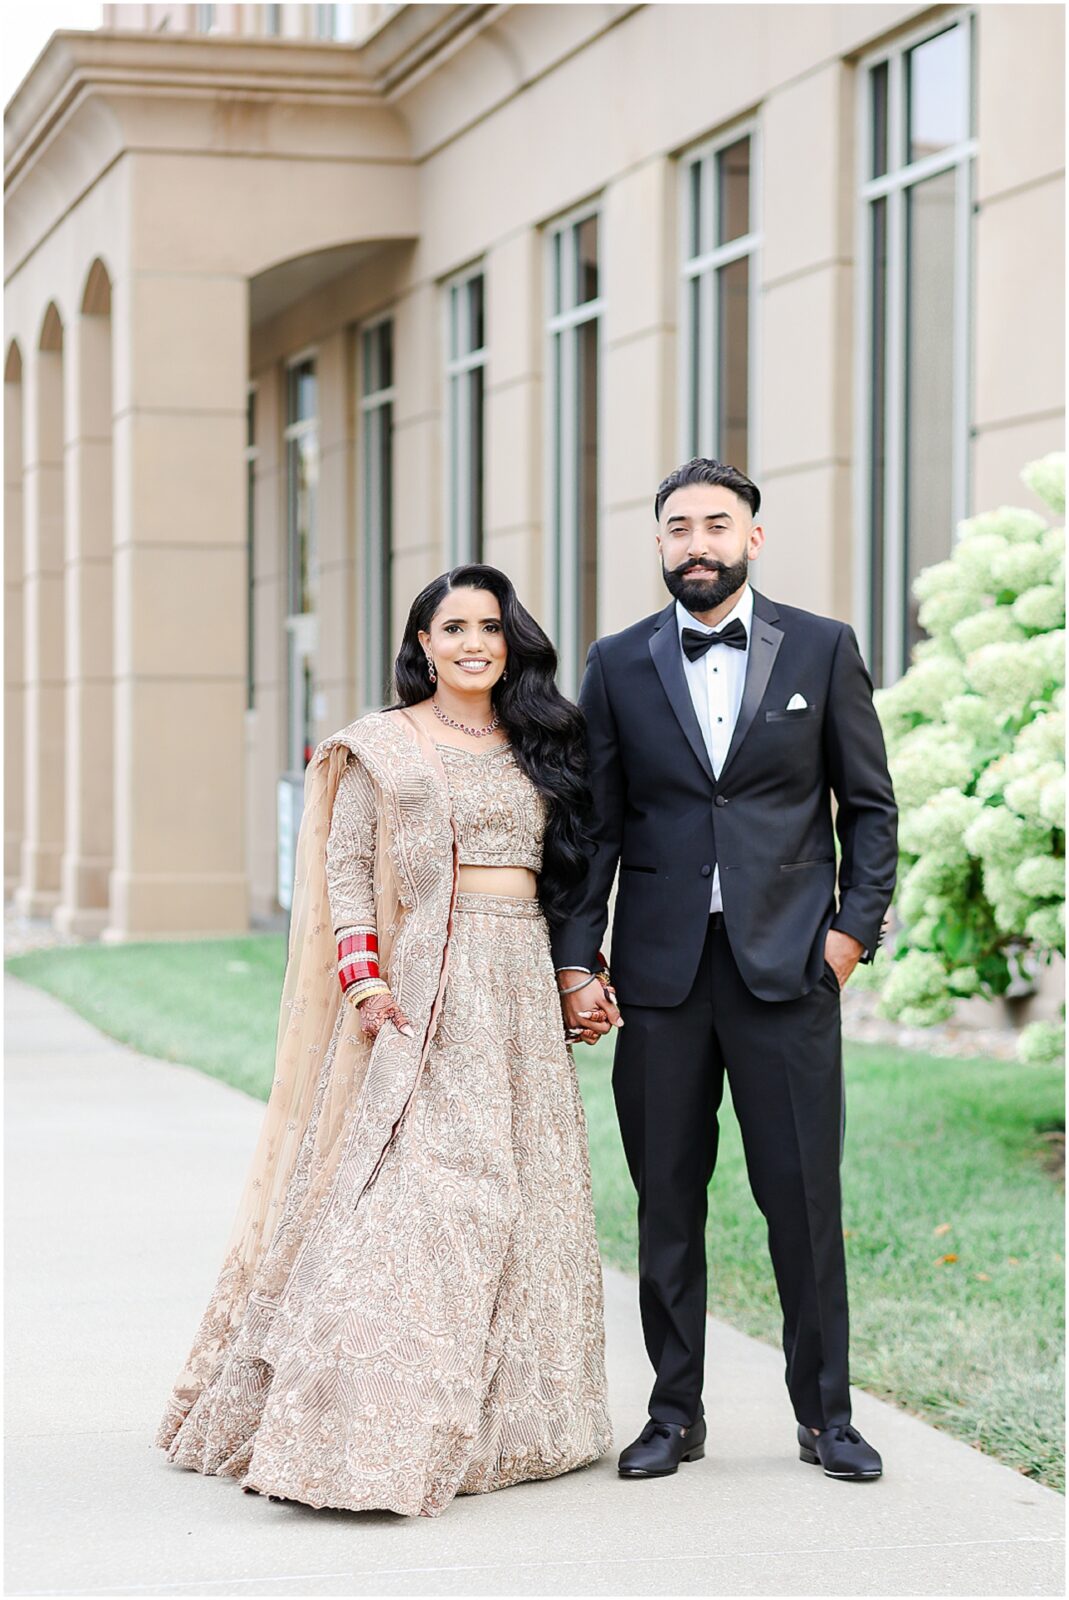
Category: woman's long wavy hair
[546,730]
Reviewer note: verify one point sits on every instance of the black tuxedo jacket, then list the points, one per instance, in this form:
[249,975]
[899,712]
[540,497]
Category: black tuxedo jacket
[665,820]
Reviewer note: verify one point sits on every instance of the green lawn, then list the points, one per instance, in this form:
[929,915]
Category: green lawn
[943,1159]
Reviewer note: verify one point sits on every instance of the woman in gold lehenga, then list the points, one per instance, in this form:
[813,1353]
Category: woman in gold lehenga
[411,1302]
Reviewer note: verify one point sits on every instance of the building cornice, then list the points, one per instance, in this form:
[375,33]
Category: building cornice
[76,64]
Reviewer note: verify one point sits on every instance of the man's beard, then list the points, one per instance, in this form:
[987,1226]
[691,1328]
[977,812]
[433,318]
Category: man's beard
[706,593]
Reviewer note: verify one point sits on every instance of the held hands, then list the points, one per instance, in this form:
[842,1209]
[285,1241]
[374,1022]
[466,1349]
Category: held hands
[588,1012]
[842,952]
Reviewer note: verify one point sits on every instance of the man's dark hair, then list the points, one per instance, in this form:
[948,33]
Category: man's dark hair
[703,470]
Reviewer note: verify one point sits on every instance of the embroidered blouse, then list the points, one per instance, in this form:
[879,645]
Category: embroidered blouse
[500,819]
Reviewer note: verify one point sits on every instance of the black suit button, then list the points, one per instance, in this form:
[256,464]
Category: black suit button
[721,799]
[706,871]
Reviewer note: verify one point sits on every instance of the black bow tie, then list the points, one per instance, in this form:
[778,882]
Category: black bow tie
[695,644]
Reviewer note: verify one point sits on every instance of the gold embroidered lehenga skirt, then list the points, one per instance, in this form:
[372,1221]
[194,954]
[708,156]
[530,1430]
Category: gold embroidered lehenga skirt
[453,1341]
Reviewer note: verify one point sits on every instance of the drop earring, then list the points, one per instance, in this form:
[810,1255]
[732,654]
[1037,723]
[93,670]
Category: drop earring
[431,671]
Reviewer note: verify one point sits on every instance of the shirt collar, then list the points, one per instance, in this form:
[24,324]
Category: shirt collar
[743,609]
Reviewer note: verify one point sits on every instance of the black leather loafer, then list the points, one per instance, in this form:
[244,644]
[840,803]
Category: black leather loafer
[841,1451]
[660,1447]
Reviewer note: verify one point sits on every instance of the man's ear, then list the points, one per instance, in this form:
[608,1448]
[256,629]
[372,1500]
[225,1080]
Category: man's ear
[756,540]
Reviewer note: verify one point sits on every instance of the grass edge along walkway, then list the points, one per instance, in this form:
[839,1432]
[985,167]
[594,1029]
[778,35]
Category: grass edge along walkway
[954,1229]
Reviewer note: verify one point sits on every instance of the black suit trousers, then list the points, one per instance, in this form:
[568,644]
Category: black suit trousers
[783,1060]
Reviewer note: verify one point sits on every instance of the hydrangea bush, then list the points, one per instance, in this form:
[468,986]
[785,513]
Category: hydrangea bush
[975,739]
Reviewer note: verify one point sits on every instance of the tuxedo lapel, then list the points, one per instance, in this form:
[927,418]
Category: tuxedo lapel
[765,640]
[668,659]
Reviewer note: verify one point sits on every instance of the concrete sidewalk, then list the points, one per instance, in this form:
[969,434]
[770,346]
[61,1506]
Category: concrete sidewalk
[122,1174]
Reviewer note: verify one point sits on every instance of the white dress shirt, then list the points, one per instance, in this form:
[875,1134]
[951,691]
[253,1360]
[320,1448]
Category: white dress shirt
[716,682]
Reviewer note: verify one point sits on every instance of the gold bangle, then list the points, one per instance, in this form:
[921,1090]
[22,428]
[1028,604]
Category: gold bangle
[357,995]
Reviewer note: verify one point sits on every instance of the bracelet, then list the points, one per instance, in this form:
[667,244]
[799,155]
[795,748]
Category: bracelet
[357,993]
[575,987]
[573,969]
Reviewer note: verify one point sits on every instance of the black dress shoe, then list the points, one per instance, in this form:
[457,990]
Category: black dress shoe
[841,1451]
[660,1447]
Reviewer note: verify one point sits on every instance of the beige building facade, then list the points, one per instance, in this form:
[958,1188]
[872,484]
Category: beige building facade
[306,304]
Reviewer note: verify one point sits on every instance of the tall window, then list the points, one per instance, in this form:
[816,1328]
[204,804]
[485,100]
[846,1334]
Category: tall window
[466,378]
[251,454]
[719,254]
[376,407]
[206,22]
[575,306]
[915,248]
[302,476]
[272,21]
[334,22]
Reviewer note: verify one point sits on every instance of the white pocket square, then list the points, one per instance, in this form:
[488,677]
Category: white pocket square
[797,702]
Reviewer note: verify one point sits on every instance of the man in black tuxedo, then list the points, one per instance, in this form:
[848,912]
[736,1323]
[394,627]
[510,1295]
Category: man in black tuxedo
[718,730]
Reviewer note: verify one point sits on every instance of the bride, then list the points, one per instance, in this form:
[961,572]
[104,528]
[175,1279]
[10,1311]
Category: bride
[410,1306]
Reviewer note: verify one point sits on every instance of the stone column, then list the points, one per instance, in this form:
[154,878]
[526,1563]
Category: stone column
[265,722]
[336,697]
[1018,250]
[180,395]
[14,647]
[514,425]
[88,581]
[638,393]
[805,343]
[42,844]
[418,435]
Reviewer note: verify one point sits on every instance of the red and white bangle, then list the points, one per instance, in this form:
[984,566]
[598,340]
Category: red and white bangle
[358,962]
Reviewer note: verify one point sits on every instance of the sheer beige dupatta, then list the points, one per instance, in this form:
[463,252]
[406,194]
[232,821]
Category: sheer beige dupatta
[336,1102]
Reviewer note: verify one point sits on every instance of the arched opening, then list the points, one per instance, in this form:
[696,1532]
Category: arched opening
[14,666]
[51,339]
[44,651]
[96,297]
[90,685]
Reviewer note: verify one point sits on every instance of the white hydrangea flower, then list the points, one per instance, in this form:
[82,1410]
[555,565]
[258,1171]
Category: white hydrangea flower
[969,716]
[1052,803]
[1048,650]
[928,888]
[925,762]
[1022,567]
[941,648]
[1023,794]
[975,737]
[1008,905]
[1046,478]
[938,826]
[1046,925]
[993,625]
[1011,524]
[938,614]
[942,577]
[1040,608]
[922,933]
[915,989]
[1001,839]
[1044,736]
[1041,1043]
[1042,877]
[1010,676]
[1053,541]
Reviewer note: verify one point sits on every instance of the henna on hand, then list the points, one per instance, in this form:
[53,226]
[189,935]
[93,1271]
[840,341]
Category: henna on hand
[380,1009]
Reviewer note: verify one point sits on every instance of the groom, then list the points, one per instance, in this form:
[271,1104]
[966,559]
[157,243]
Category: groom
[719,730]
